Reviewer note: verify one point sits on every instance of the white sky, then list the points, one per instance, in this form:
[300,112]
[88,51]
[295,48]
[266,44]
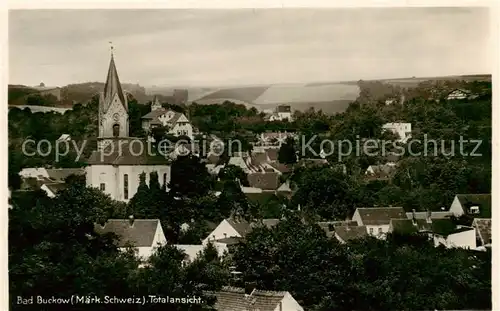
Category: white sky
[229,47]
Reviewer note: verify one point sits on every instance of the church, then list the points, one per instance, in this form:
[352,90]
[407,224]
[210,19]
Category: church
[119,160]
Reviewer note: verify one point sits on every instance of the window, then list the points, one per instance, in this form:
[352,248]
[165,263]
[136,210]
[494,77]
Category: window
[379,230]
[371,230]
[165,179]
[125,186]
[116,130]
[102,186]
[474,209]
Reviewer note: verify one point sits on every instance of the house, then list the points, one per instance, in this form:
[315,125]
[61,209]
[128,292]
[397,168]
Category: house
[49,180]
[380,171]
[64,137]
[310,162]
[377,219]
[329,226]
[119,160]
[236,227]
[145,235]
[402,130]
[429,214]
[176,122]
[443,231]
[475,205]
[51,189]
[348,233]
[446,232]
[274,139]
[458,94]
[240,299]
[265,181]
[483,230]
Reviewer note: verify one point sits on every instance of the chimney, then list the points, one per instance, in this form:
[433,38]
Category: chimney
[281,306]
[131,220]
[429,216]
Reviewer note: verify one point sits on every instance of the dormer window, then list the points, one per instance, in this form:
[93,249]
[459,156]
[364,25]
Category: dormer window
[474,209]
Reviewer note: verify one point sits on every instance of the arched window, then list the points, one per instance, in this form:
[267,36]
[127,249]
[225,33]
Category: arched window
[116,130]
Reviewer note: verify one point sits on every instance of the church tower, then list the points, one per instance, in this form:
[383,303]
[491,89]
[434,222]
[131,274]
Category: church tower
[156,104]
[113,108]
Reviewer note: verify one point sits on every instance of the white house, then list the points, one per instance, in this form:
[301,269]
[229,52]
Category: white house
[476,205]
[483,230]
[235,228]
[176,122]
[461,237]
[145,235]
[402,130]
[193,251]
[458,94]
[117,164]
[377,219]
[233,298]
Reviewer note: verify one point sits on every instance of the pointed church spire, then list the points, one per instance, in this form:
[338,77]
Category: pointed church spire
[113,85]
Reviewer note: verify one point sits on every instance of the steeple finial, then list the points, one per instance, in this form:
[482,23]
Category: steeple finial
[111,48]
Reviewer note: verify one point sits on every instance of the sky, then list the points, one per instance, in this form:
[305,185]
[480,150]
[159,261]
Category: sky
[174,47]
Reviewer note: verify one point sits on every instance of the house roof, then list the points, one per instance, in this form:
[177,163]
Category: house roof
[407,226]
[156,114]
[483,226]
[56,187]
[272,154]
[131,154]
[284,108]
[434,215]
[445,227]
[382,169]
[347,233]
[234,299]
[329,226]
[140,234]
[481,200]
[244,227]
[260,197]
[285,187]
[282,168]
[380,215]
[312,162]
[60,174]
[264,181]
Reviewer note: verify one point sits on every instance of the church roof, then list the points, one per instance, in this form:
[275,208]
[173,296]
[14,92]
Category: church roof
[113,85]
[130,153]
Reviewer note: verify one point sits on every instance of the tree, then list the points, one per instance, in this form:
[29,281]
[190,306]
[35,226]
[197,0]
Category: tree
[189,177]
[287,153]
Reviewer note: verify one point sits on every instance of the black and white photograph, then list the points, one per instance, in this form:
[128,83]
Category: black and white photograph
[250,159]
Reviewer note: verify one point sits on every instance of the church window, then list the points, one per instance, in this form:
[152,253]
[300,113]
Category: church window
[102,186]
[116,130]
[125,186]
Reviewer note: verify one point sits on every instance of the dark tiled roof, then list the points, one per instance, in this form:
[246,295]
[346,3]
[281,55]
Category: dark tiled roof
[481,200]
[434,215]
[347,233]
[234,299]
[406,226]
[244,227]
[156,114]
[483,226]
[445,227]
[264,181]
[283,168]
[272,154]
[258,158]
[141,234]
[284,108]
[60,174]
[380,215]
[241,226]
[329,226]
[56,187]
[113,156]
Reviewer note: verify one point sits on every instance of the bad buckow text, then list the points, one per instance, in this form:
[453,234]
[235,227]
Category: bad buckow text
[77,299]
